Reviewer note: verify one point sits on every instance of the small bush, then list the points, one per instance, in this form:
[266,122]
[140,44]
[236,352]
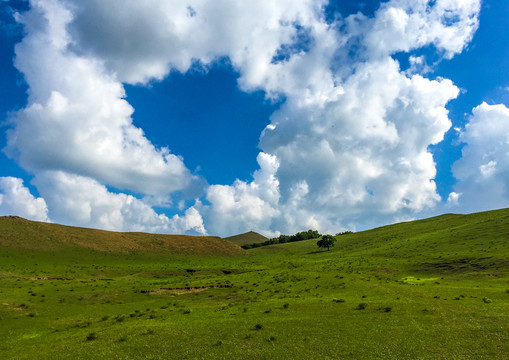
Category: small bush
[361,306]
[385,309]
[91,336]
[285,306]
[338,300]
[258,327]
[486,300]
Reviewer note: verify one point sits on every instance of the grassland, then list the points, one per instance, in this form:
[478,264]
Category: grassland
[430,289]
[250,237]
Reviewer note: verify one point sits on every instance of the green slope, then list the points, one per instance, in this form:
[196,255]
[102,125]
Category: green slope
[250,237]
[446,243]
[429,289]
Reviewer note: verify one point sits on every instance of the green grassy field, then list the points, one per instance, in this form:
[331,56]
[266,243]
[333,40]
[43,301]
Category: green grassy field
[430,289]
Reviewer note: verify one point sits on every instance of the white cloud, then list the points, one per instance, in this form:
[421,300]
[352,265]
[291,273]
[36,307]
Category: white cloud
[145,40]
[16,199]
[358,154]
[483,169]
[244,205]
[403,25]
[81,201]
[348,146]
[76,119]
[453,199]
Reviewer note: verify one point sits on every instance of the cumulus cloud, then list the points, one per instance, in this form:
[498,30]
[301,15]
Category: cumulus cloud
[244,205]
[402,25]
[76,119]
[16,199]
[82,201]
[483,169]
[359,154]
[145,40]
[348,146]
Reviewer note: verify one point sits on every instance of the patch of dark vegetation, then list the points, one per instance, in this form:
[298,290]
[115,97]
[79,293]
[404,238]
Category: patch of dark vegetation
[361,306]
[338,300]
[459,265]
[91,336]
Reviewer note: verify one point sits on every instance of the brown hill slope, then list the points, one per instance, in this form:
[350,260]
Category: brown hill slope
[250,237]
[16,232]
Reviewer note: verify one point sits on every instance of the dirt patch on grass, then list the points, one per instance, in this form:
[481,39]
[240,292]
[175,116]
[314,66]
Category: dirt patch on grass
[183,290]
[48,278]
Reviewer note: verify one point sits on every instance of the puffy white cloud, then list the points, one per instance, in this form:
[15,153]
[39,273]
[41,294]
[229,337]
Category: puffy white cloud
[355,150]
[244,205]
[16,199]
[76,119]
[348,146]
[483,169]
[366,152]
[145,40]
[403,25]
[82,201]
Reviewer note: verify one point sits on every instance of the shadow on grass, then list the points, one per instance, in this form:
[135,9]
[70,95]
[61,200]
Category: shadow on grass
[317,252]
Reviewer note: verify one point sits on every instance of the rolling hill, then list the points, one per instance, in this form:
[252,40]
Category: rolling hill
[250,237]
[431,289]
[19,233]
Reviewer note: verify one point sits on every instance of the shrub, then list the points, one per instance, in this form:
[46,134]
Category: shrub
[258,327]
[91,336]
[361,306]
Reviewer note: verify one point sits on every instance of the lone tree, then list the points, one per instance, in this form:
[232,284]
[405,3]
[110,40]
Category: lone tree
[327,241]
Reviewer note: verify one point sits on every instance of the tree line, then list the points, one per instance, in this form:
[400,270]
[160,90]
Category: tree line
[281,239]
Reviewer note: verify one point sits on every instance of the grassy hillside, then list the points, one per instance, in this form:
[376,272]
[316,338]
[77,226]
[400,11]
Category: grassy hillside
[19,233]
[431,289]
[250,237]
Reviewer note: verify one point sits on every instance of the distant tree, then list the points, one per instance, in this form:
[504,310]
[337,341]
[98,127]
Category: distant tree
[327,241]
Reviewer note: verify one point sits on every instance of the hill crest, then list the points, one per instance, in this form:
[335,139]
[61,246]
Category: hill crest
[20,233]
[249,237]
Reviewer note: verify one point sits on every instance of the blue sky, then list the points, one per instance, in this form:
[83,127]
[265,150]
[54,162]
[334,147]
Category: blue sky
[217,117]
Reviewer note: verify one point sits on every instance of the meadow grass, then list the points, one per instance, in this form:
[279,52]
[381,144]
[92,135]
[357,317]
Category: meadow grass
[431,289]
